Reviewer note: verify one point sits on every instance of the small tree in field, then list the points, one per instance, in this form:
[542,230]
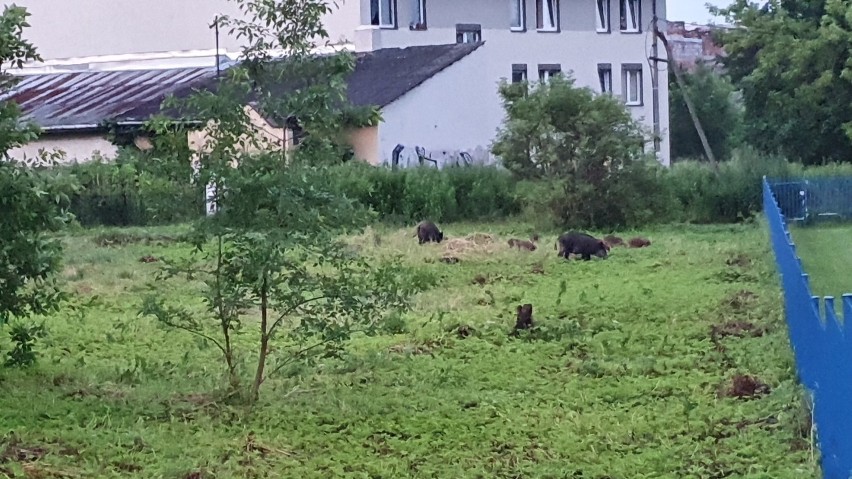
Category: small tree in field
[31,206]
[270,259]
[587,145]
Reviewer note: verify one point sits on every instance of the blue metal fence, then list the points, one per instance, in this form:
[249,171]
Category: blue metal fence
[822,348]
[813,199]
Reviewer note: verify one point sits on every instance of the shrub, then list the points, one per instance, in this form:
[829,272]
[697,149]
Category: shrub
[119,194]
[727,192]
[413,194]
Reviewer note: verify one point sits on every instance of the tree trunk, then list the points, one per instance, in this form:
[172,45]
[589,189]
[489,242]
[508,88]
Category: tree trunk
[264,341]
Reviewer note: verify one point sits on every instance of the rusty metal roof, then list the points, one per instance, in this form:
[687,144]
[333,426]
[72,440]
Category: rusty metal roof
[82,100]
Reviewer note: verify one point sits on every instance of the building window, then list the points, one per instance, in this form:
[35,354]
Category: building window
[602,14]
[546,72]
[418,15]
[519,72]
[547,15]
[518,15]
[605,77]
[468,33]
[383,13]
[631,81]
[631,15]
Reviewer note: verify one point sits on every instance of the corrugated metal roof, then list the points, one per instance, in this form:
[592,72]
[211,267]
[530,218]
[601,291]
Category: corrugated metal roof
[85,99]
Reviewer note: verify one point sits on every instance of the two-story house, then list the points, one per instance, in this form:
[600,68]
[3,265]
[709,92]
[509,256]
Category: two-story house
[603,44]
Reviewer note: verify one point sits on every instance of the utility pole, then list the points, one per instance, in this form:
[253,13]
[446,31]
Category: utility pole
[655,77]
[216,29]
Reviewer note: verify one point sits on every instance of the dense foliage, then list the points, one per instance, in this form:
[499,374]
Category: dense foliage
[717,106]
[31,207]
[790,59]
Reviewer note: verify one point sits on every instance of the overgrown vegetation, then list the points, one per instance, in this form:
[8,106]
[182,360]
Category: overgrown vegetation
[790,60]
[31,207]
[621,378]
[718,107]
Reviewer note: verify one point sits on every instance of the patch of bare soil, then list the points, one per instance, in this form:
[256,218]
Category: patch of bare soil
[738,329]
[744,387]
[741,300]
[739,260]
[537,268]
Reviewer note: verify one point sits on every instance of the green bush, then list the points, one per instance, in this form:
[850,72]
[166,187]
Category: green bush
[728,192]
[119,194]
[414,194]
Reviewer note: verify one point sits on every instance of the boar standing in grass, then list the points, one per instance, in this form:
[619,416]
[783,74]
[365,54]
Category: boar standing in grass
[524,319]
[581,244]
[639,242]
[428,232]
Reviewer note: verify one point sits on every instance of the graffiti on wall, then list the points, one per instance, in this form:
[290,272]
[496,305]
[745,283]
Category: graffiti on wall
[404,156]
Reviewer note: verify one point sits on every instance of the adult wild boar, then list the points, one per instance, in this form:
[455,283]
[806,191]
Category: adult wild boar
[427,232]
[582,244]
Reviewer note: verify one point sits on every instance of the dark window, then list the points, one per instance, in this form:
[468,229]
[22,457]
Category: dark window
[468,33]
[605,77]
[519,72]
[630,15]
[518,20]
[631,83]
[602,16]
[547,15]
[418,14]
[383,13]
[547,71]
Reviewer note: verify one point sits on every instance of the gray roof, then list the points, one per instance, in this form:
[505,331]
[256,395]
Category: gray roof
[81,100]
[65,101]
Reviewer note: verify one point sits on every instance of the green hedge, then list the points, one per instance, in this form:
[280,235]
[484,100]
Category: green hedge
[121,195]
[133,193]
[413,194]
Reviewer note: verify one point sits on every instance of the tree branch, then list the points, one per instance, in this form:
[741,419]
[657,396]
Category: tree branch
[291,310]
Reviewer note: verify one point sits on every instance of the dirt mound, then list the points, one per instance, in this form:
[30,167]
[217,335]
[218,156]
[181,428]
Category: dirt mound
[745,387]
[472,243]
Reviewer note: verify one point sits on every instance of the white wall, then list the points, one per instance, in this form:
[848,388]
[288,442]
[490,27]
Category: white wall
[78,147]
[76,28]
[578,48]
[451,112]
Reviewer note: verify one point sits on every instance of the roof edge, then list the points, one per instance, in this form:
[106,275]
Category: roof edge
[416,85]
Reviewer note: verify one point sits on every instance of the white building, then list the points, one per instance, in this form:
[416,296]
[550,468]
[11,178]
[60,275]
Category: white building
[604,44]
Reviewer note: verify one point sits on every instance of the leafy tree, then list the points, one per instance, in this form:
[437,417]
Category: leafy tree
[716,106]
[270,259]
[790,59]
[32,206]
[588,145]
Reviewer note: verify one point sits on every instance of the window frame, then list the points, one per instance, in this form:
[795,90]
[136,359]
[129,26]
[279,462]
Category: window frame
[556,19]
[550,68]
[623,10]
[626,70]
[522,5]
[607,20]
[605,68]
[463,28]
[394,11]
[421,24]
[520,68]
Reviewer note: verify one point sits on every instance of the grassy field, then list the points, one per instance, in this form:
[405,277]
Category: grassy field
[631,376]
[826,253]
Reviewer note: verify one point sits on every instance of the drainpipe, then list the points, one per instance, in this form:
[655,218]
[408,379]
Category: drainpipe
[655,78]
